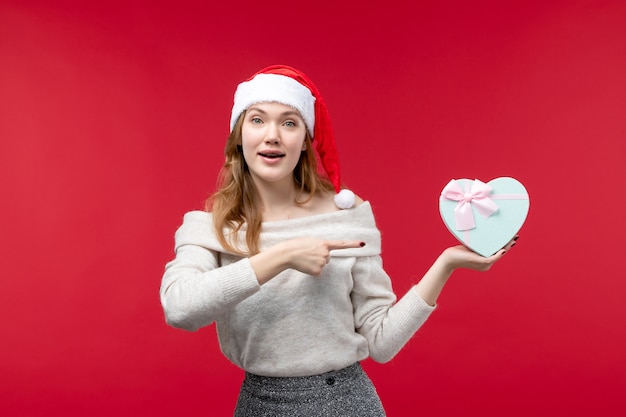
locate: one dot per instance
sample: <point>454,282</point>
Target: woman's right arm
<point>307,255</point>
<point>195,290</point>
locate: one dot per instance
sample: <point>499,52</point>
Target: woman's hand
<point>430,286</point>
<point>307,255</point>
<point>461,257</point>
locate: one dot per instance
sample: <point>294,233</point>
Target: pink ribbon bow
<point>478,197</point>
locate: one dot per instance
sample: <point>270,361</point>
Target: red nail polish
<point>362,244</point>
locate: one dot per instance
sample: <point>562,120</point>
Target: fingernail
<point>516,237</point>
<point>512,244</point>
<point>362,244</point>
<point>503,252</point>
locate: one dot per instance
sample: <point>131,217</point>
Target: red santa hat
<point>286,85</point>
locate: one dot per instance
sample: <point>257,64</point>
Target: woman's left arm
<point>388,325</point>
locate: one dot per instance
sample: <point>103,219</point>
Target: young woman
<point>289,271</point>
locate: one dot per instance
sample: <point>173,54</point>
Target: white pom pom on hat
<point>286,85</point>
<point>345,199</point>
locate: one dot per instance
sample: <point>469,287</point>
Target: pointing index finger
<point>344,244</point>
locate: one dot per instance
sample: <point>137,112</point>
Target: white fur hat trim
<point>265,88</point>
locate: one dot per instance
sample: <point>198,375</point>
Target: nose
<point>272,133</point>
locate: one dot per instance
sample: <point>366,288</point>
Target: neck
<point>277,199</point>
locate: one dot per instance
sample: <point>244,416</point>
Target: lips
<point>271,154</point>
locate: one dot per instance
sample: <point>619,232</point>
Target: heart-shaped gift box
<point>484,217</point>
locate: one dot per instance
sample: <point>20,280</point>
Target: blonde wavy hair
<point>235,203</point>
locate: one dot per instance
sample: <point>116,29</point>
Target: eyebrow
<point>286,113</point>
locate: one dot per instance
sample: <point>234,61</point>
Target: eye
<point>290,123</point>
<point>256,120</point>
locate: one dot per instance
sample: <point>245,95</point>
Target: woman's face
<point>272,137</point>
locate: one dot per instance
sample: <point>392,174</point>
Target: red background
<point>113,119</point>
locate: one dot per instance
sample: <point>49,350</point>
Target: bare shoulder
<point>325,203</point>
<point>321,204</point>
